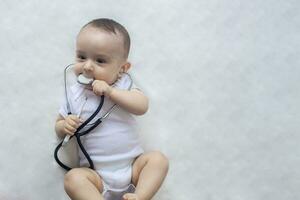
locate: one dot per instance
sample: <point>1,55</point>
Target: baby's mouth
<point>84,80</point>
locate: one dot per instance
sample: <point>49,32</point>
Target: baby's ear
<point>125,67</point>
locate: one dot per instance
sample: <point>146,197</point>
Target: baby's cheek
<point>112,79</point>
<point>77,70</point>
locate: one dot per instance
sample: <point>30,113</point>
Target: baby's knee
<point>160,159</point>
<point>74,179</point>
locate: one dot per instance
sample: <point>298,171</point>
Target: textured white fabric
<point>222,78</point>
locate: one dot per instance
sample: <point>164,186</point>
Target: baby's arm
<point>134,101</point>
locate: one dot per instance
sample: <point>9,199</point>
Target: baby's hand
<point>101,88</point>
<point>71,123</point>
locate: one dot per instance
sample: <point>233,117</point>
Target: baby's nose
<point>88,66</point>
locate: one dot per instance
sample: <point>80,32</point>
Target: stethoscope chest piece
<point>84,80</point>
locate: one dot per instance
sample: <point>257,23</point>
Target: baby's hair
<point>112,26</point>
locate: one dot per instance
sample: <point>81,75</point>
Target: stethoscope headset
<point>79,132</point>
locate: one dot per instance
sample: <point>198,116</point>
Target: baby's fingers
<point>74,118</point>
<point>71,124</point>
<point>69,130</point>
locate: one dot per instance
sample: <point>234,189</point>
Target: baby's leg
<point>83,184</point>
<point>148,173</point>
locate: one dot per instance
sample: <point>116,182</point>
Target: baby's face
<point>99,55</point>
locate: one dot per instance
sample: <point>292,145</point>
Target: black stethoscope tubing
<point>77,133</point>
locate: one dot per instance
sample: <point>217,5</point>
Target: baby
<point>102,49</point>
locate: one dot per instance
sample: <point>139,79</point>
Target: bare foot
<point>130,196</point>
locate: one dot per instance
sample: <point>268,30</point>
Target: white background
<point>222,77</point>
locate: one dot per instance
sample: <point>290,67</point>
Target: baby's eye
<point>81,57</point>
<point>99,60</point>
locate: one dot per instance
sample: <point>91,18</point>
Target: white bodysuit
<point>112,145</point>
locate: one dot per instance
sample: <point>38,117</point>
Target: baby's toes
<point>130,196</point>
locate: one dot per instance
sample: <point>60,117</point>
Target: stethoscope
<point>81,79</point>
